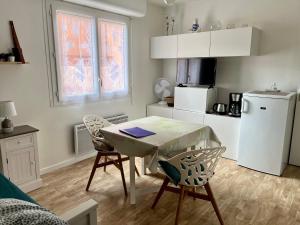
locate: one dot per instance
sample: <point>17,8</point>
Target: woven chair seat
<point>103,146</point>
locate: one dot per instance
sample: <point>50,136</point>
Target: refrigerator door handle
<point>245,105</point>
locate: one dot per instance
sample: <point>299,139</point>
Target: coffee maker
<point>235,104</point>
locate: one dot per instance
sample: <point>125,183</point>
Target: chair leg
<point>105,160</point>
<point>194,191</point>
<point>137,172</point>
<point>213,202</point>
<point>161,191</point>
<point>93,171</point>
<point>122,174</point>
<point>179,204</point>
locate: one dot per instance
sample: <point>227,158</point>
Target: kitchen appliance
<point>220,108</point>
<point>235,103</point>
<point>196,72</point>
<point>295,146</point>
<point>266,129</point>
<point>162,89</point>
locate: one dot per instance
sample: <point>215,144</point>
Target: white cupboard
<point>164,47</point>
<point>21,165</point>
<point>19,159</point>
<point>227,130</point>
<point>234,42</point>
<point>188,116</point>
<point>195,99</point>
<point>193,45</point>
<point>160,110</point>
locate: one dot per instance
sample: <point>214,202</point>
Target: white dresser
<point>19,157</point>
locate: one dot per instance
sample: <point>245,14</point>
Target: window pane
<point>113,56</point>
<point>76,57</point>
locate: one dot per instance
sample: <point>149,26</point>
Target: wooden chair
<point>190,170</point>
<point>94,123</point>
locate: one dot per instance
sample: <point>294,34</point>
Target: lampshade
<point>7,109</point>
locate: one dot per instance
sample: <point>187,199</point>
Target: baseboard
<point>30,186</point>
<point>67,162</point>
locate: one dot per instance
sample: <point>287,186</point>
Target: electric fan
<point>162,89</point>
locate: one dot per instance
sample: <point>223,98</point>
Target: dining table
<point>170,137</point>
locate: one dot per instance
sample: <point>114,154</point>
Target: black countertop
<point>19,130</point>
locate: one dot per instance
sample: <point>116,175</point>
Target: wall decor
<point>17,50</point>
<point>170,23</point>
<point>195,26</point>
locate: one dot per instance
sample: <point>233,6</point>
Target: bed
<point>84,214</point>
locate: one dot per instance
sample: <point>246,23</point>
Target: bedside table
<point>19,159</point>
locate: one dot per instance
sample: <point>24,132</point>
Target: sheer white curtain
<point>113,55</point>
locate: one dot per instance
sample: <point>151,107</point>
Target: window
<point>113,57</point>
<point>91,50</point>
<point>76,57</point>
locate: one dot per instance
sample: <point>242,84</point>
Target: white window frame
<point>50,8</point>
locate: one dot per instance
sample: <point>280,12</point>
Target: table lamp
<point>7,109</point>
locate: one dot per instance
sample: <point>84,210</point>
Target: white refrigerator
<point>266,129</point>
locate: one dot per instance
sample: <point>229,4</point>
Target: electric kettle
<point>220,108</point>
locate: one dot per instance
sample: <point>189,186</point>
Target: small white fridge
<point>266,130</point>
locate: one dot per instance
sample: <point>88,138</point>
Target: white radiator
<point>82,140</point>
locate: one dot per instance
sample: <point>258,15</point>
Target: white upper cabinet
<point>193,45</point>
<point>234,42</point>
<point>164,47</point>
<point>221,43</point>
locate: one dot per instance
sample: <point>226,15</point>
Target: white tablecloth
<point>171,137</point>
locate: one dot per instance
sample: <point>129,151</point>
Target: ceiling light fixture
<point>169,2</point>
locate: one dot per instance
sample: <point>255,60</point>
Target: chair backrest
<point>94,123</point>
<point>197,167</point>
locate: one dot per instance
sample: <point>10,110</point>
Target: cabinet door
<point>193,45</point>
<point>163,111</point>
<point>191,99</point>
<point>187,116</point>
<point>234,42</point>
<point>21,165</point>
<point>164,47</point>
<point>227,130</point>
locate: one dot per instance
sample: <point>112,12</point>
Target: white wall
<point>27,85</point>
<point>280,43</point>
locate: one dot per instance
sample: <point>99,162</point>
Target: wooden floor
<point>244,197</point>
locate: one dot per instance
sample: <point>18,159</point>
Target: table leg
<point>132,180</point>
<point>143,166</point>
